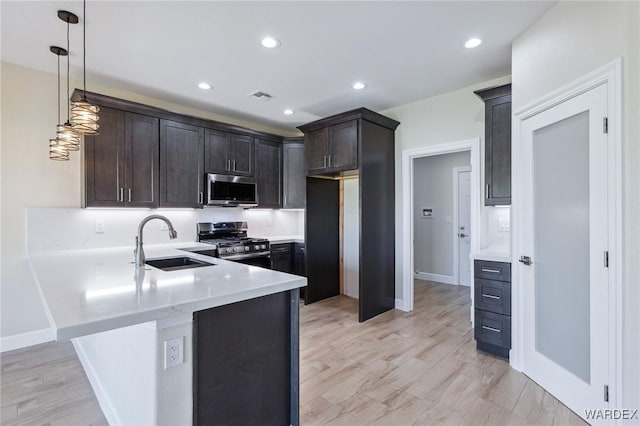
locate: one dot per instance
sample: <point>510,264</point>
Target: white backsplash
<point>69,229</point>
<point>497,228</point>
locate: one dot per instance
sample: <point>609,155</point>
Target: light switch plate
<point>99,226</point>
<point>504,225</point>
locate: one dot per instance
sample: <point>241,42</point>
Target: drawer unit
<point>493,332</point>
<point>492,304</point>
<point>498,271</point>
<point>493,296</point>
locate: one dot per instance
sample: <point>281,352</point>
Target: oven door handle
<point>245,256</point>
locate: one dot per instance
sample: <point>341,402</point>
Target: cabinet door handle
<point>325,162</point>
<point>284,200</point>
<point>234,165</point>
<point>201,198</point>
<point>495,330</point>
<point>491,296</point>
<point>228,165</point>
<point>492,271</point>
<point>329,160</point>
<point>121,195</point>
<point>129,194</point>
<point>486,191</point>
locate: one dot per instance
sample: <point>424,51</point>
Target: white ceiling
<point>403,51</point>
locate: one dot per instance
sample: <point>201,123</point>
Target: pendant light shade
<point>57,152</point>
<point>68,137</point>
<point>84,115</point>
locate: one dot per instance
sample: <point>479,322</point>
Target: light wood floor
<point>396,369</point>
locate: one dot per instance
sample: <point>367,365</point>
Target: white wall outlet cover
<point>448,219</point>
<point>173,352</point>
<point>99,226</point>
<point>163,226</point>
<point>504,225</point>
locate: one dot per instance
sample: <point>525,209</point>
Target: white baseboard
<point>445,279</point>
<point>103,399</point>
<point>19,341</point>
<point>400,305</point>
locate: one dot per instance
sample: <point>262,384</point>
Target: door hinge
<point>606,259</point>
<point>606,393</point>
<point>605,124</point>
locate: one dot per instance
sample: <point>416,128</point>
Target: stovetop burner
<point>231,240</point>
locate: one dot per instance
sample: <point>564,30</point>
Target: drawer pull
<point>493,271</point>
<point>491,296</point>
<point>495,330</point>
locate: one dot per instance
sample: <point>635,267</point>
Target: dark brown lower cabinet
<point>492,305</point>
<point>245,364</point>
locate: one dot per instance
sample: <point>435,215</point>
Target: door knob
<point>525,259</point>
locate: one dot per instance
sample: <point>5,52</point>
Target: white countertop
<point>90,291</point>
<point>281,239</point>
<point>493,254</point>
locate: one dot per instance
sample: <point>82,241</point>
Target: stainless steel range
<point>231,243</point>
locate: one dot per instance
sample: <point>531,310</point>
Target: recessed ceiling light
<point>204,85</point>
<point>270,42</point>
<point>473,42</point>
<point>287,111</point>
<point>358,85</point>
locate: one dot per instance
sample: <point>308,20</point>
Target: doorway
<point>411,208</point>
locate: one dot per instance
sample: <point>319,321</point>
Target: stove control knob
<point>263,246</point>
<point>229,250</point>
<point>247,248</point>
<point>238,249</point>
<point>257,247</point>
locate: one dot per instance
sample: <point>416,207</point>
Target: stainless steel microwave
<point>231,191</point>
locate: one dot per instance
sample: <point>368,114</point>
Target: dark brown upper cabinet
<point>228,153</point>
<point>497,145</point>
<point>294,179</point>
<point>269,173</point>
<point>332,149</point>
<point>181,165</point>
<point>121,163</point>
<point>358,142</point>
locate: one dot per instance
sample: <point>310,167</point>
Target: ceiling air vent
<point>259,95</point>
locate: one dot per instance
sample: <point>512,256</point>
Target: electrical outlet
<point>99,226</point>
<point>173,352</point>
<point>504,225</point>
<point>163,226</point>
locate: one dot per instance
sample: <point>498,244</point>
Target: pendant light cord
<point>68,76</point>
<point>84,47</point>
<point>59,88</point>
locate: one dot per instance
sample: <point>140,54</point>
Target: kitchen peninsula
<point>231,330</point>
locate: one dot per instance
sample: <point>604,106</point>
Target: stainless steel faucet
<point>138,253</point>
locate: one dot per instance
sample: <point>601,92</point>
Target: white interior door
<point>464,225</point>
<point>565,230</point>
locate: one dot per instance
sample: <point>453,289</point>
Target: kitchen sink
<point>199,250</point>
<point>177,263</point>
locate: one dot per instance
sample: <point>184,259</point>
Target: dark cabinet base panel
<point>246,362</point>
<point>492,349</point>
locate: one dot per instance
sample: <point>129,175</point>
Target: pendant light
<point>66,136</point>
<point>84,115</point>
<point>58,151</point>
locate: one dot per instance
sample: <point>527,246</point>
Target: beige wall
<point>450,117</point>
<point>569,41</point>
